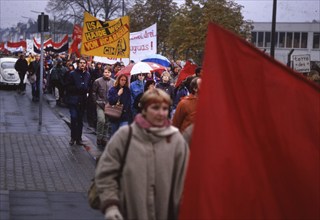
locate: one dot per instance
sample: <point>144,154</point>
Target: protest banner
<point>105,38</point>
<point>143,43</point>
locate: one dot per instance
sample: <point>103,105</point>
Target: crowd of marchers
<point>141,172</point>
<point>86,86</point>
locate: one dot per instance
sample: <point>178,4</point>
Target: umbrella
<point>157,58</point>
<point>141,67</point>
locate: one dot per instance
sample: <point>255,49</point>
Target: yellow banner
<point>106,38</point>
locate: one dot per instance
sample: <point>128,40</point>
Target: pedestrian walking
<point>186,109</point>
<point>57,75</point>
<point>100,89</point>
<point>120,92</point>
<point>34,73</point>
<point>136,88</point>
<point>21,66</point>
<point>151,182</point>
<point>77,86</point>
<point>95,73</point>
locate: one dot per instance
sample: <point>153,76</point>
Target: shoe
<point>79,142</point>
<point>71,142</point>
<point>23,92</point>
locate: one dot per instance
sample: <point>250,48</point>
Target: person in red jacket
<point>186,109</point>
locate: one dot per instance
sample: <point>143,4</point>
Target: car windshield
<point>7,65</point>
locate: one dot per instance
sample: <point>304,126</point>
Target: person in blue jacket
<point>120,92</point>
<point>77,88</point>
<point>136,88</point>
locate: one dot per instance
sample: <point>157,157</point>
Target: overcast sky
<point>11,11</point>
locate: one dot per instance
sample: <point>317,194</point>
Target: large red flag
<point>255,146</point>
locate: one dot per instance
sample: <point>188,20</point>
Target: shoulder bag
<point>113,111</point>
<point>93,196</point>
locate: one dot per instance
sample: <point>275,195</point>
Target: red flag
<point>255,146</point>
<point>76,37</point>
<point>188,70</point>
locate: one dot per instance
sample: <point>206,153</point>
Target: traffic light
<point>43,23</point>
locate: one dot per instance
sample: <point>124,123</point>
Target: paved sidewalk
<point>41,176</point>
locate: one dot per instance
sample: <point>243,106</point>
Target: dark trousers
<point>35,89</point>
<point>22,85</point>
<point>57,84</point>
<point>76,115</point>
<point>91,112</point>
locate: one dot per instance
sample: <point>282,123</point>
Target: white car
<point>8,75</point>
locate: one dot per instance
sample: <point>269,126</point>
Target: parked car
<point>8,75</point>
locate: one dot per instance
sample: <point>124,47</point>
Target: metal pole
<point>122,8</point>
<point>41,69</point>
<point>273,28</point>
<point>289,58</point>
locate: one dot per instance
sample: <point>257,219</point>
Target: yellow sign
<point>105,38</point>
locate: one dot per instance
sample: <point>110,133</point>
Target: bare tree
<point>72,10</point>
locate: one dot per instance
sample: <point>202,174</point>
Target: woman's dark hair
<point>194,85</point>
<point>148,83</point>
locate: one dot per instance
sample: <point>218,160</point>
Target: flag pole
<point>273,27</point>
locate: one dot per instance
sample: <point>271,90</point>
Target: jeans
<point>103,125</point>
<point>116,125</point>
<point>76,115</point>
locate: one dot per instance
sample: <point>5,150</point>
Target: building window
<point>304,40</point>
<point>289,40</point>
<point>267,40</point>
<point>316,40</point>
<point>260,39</point>
<point>282,39</point>
<point>296,40</point>
<point>254,38</point>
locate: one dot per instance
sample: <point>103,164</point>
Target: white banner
<point>29,48</point>
<point>143,43</point>
<point>111,61</point>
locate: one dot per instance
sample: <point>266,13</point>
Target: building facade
<point>298,38</point>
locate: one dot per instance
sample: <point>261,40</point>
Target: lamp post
<point>43,23</point>
<point>273,27</point>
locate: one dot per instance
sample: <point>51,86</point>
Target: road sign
<point>301,63</point>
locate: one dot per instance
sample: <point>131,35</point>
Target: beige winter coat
<point>153,174</point>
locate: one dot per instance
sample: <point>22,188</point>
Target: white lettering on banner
<point>301,63</point>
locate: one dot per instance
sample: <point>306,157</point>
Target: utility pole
<point>43,25</point>
<point>122,8</point>
<point>273,28</point>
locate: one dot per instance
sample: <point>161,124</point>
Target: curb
<point>90,148</point>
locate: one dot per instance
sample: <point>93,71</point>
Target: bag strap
<point>126,150</point>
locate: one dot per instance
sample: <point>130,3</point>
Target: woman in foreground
<point>152,178</point>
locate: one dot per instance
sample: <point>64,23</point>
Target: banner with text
<point>105,38</point>
<point>143,43</point>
